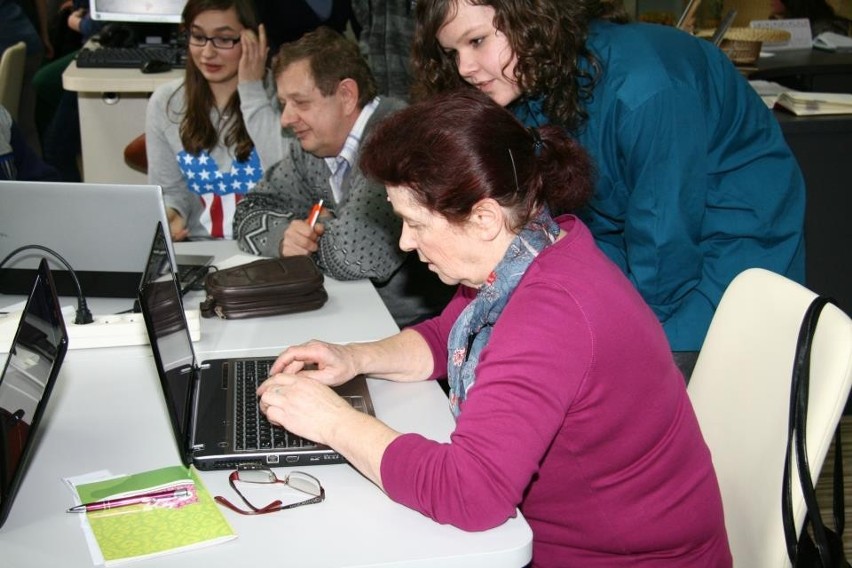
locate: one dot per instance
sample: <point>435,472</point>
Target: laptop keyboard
<point>191,276</point>
<point>252,431</point>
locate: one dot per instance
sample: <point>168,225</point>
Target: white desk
<point>107,401</point>
<point>112,113</point>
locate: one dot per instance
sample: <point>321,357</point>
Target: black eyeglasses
<point>259,474</point>
<point>199,40</point>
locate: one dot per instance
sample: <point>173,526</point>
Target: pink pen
<point>132,500</point>
<point>315,213</point>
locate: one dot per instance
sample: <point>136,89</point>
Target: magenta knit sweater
<point>580,418</point>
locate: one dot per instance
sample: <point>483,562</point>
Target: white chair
<point>12,77</point>
<point>740,390</point>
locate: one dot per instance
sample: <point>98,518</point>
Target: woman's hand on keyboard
<point>328,363</point>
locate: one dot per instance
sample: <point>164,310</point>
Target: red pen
<point>315,213</point>
<point>133,500</point>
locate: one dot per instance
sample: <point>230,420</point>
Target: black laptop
<point>212,404</point>
<point>35,357</point>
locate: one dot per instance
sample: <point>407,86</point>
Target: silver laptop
<point>35,356</point>
<point>212,404</point>
<point>103,231</point>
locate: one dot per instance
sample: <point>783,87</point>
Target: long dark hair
<point>548,37</point>
<point>197,133</point>
<point>459,147</point>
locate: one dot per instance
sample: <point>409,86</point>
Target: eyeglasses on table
<point>261,475</point>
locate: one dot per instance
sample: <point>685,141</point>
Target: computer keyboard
<point>129,57</point>
<point>252,431</point>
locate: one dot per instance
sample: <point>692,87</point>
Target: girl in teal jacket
<point>695,182</point>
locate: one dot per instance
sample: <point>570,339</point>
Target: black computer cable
<point>84,315</point>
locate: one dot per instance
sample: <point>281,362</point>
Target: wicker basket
<point>741,52</point>
<point>742,45</point>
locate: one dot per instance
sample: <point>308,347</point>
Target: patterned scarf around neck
<point>471,331</point>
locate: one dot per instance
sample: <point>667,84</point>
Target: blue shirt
<point>695,182</point>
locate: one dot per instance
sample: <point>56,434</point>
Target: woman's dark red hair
<point>459,147</point>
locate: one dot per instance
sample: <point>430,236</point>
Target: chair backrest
<point>135,154</point>
<point>740,390</point>
<point>12,77</point>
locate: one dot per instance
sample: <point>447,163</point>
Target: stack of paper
<point>806,104</point>
<point>767,90</point>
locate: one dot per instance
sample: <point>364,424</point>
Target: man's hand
<point>300,239</point>
<point>75,18</point>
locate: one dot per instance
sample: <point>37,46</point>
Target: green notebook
<point>141,531</point>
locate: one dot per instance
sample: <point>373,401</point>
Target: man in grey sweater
<point>329,101</point>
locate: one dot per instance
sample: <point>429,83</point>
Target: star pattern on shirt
<point>204,177</point>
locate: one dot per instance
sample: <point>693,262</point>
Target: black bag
<point>264,288</point>
<point>820,547</point>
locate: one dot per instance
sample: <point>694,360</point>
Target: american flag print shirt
<point>219,191</point>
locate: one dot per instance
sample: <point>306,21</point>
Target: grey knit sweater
<point>387,30</point>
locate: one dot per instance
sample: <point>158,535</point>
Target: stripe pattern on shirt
<point>219,191</point>
<point>341,164</point>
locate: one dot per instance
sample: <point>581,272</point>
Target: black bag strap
<point>838,502</point>
<point>796,439</point>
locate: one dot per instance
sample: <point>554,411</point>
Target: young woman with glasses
<point>211,135</point>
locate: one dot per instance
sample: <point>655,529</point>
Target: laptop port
<point>292,459</point>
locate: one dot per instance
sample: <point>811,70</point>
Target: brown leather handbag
<point>265,287</point>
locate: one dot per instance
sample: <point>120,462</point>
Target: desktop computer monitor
<point>138,11</point>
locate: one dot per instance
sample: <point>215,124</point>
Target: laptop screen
<point>168,332</point>
<point>35,357</point>
<point>105,266</point>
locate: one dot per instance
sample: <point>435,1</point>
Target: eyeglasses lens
<point>256,476</point>
<point>199,40</point>
<point>304,483</point>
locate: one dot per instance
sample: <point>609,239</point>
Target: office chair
<point>135,154</point>
<point>740,390</point>
<point>12,77</point>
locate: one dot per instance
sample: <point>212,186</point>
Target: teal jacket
<point>695,182</point>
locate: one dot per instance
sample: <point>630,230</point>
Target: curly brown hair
<point>197,133</point>
<point>548,38</point>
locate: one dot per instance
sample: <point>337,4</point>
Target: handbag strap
<point>796,439</point>
<point>838,501</point>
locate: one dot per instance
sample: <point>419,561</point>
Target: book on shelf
<point>768,91</point>
<point>830,41</point>
<point>191,519</point>
<point>808,104</point>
